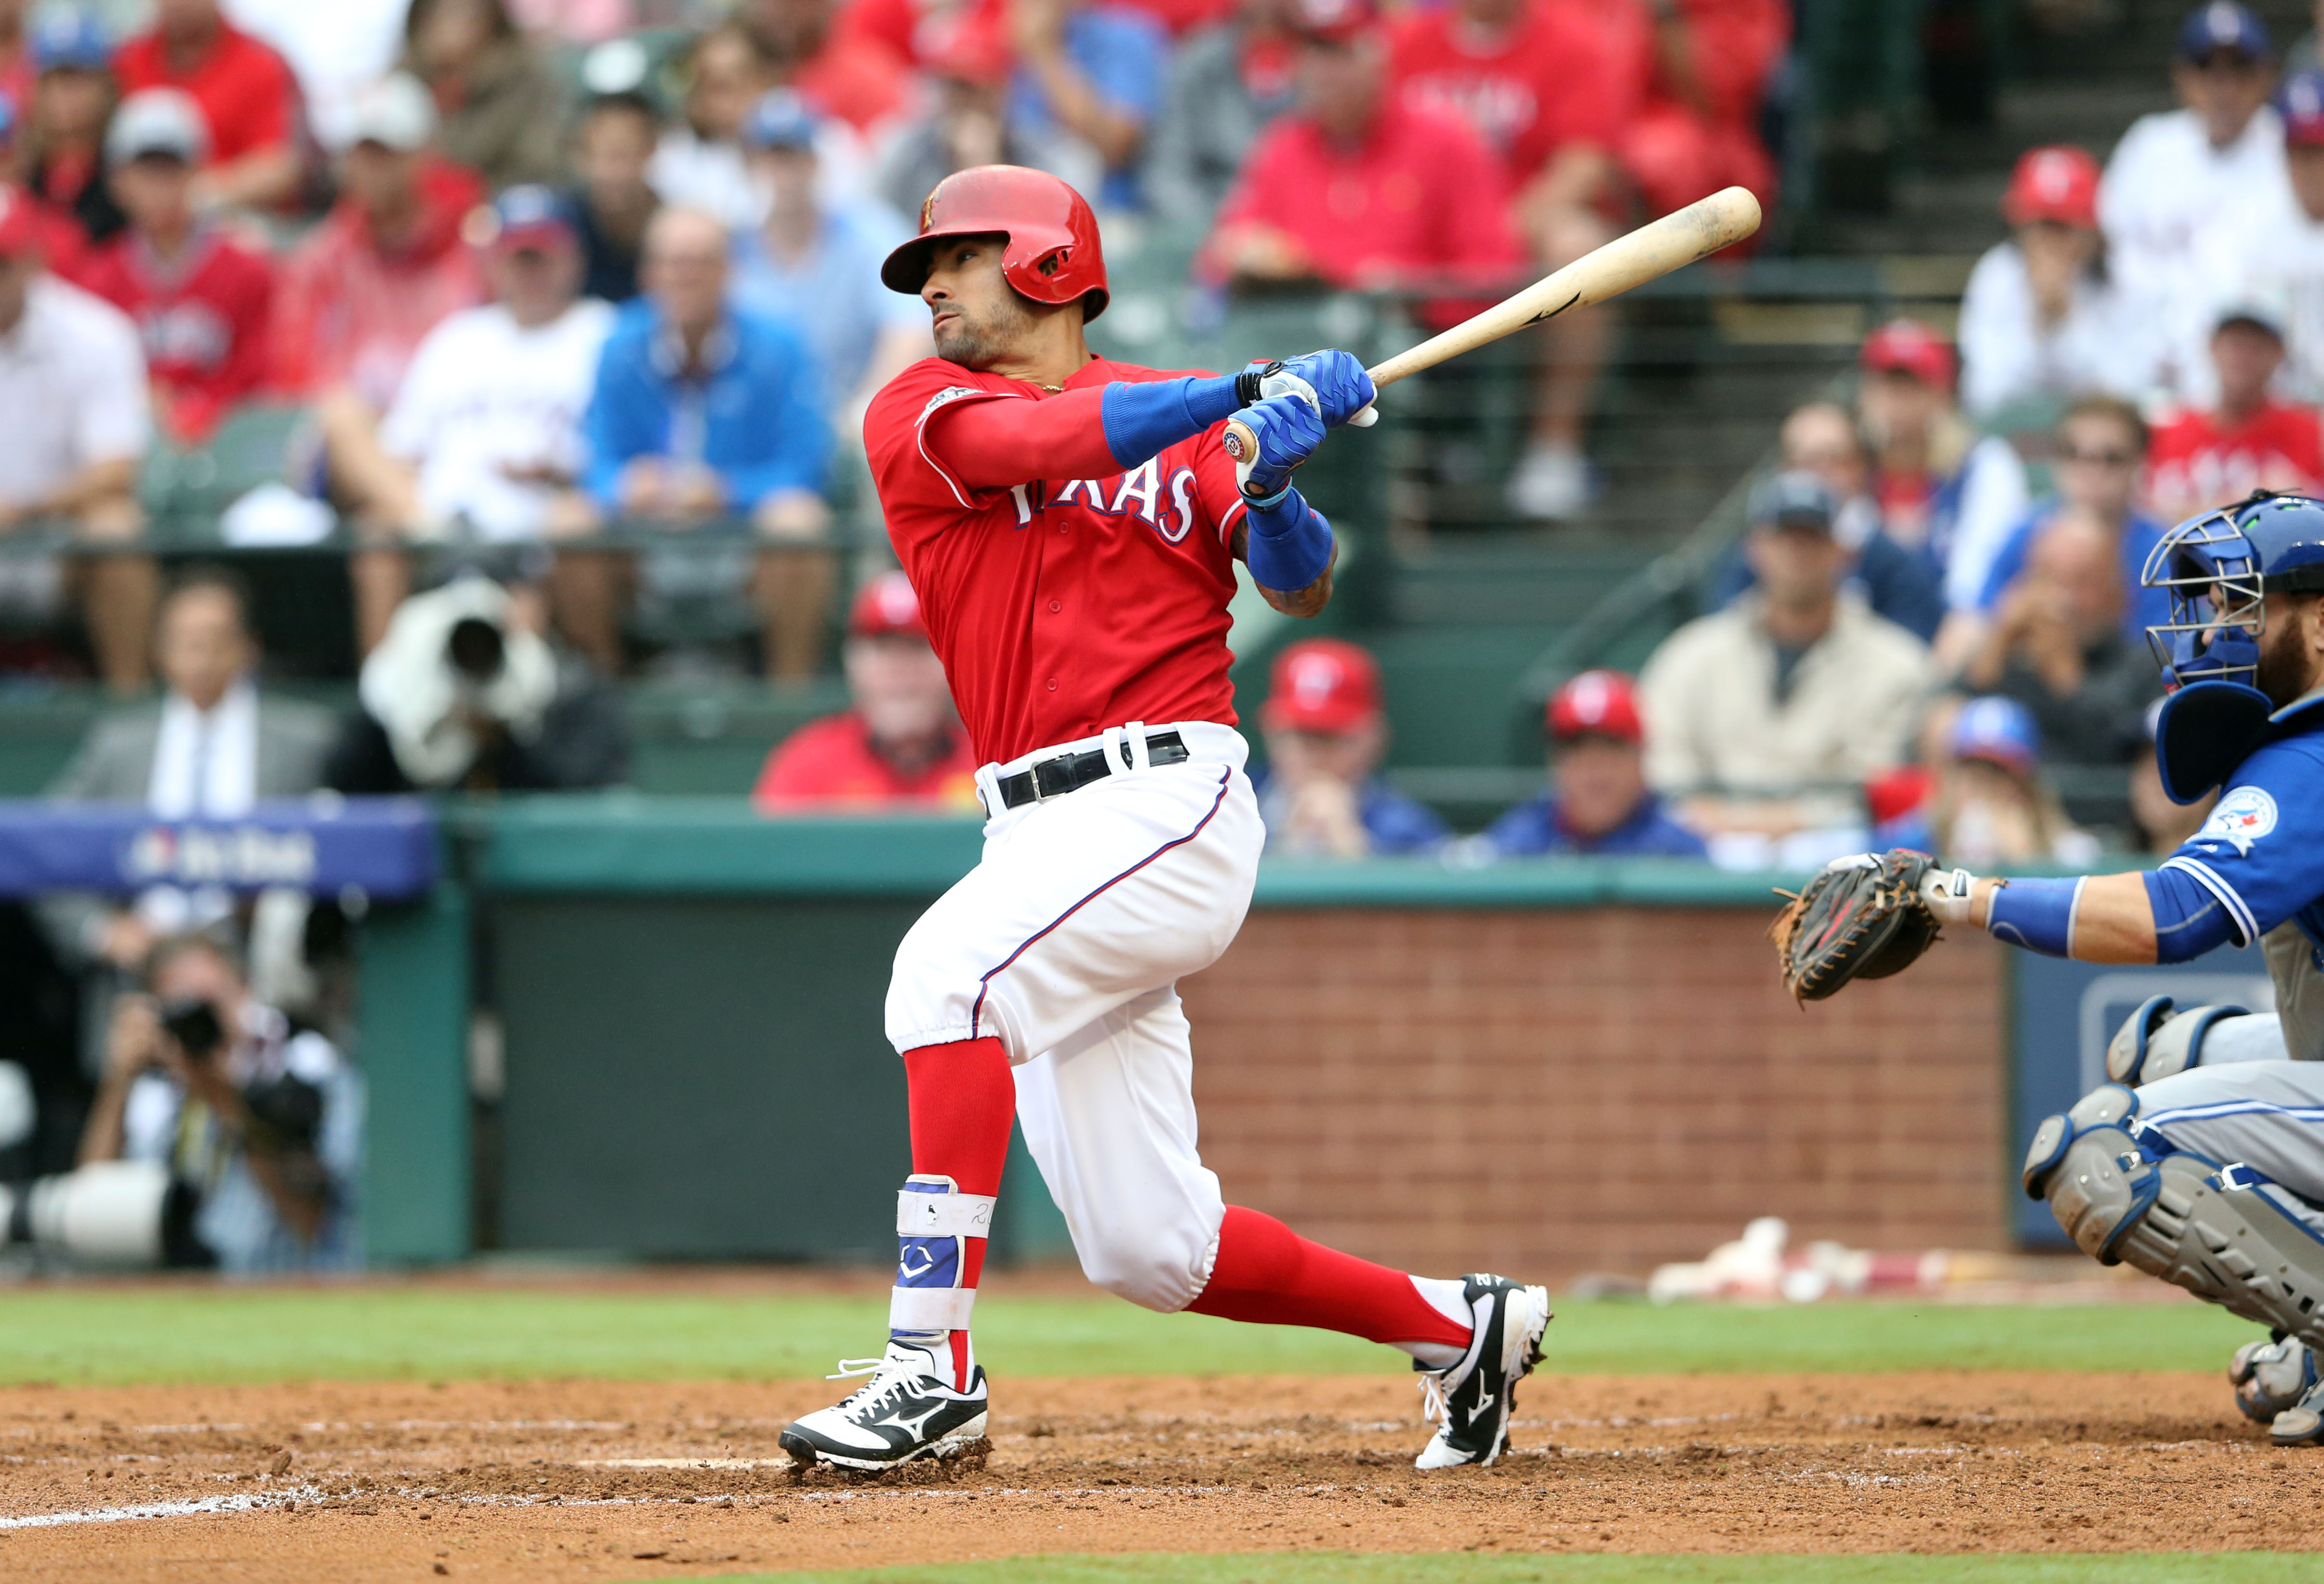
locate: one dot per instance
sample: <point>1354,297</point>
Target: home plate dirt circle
<point>591,1480</point>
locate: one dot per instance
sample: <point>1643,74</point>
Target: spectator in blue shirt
<point>2101,451</point>
<point>816,264</point>
<point>1321,794</point>
<point>704,414</point>
<point>1598,802</point>
<point>1821,438</point>
<point>1089,83</point>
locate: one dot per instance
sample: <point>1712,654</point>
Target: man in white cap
<point>363,289</point>
<point>201,300</point>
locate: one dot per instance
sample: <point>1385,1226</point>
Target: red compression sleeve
<point>963,1097</point>
<point>992,445</point>
<point>1268,1274</point>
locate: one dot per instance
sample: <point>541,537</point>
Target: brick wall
<point>1553,1091</point>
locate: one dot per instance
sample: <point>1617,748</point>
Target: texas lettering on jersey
<point>1060,606</point>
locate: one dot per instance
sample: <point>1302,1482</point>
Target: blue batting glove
<point>1287,430</point>
<point>1339,381</point>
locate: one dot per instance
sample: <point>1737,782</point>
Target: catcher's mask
<point>2218,566</point>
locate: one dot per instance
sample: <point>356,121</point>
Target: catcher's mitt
<point>1863,917</point>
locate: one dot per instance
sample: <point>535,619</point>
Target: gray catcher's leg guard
<point>2125,1194</point>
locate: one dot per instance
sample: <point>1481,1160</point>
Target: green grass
<point>1460,1567</point>
<point>385,1331</point>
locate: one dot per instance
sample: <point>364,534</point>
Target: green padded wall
<point>700,1078</point>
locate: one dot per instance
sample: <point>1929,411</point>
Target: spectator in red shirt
<point>1703,67</point>
<point>1542,84</point>
<point>201,301</point>
<point>1356,188</point>
<point>245,90</point>
<point>354,302</point>
<point>64,139</point>
<point>841,73</point>
<point>2201,460</point>
<point>920,33</point>
<point>898,743</point>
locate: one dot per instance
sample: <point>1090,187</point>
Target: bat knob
<point>1364,417</point>
<point>1239,442</point>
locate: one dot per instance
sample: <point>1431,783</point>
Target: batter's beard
<point>980,343</point>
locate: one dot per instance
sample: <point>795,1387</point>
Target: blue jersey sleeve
<point>2262,852</point>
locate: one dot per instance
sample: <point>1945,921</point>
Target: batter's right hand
<point>1287,430</point>
<point>1340,383</point>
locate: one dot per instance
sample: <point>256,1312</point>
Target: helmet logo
<point>927,210</point>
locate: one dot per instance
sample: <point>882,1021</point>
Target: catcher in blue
<point>2202,1161</point>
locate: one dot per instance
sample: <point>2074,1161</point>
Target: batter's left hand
<point>1286,429</point>
<point>1342,386</point>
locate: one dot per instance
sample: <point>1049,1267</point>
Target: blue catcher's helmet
<point>2219,567</point>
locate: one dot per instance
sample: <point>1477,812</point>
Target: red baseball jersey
<point>246,92</point>
<point>1060,607</point>
<point>830,763</point>
<point>204,324</point>
<point>1421,197</point>
<point>1552,80</point>
<point>2195,464</point>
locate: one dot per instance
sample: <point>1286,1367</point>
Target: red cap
<point>1596,704</point>
<point>21,230</point>
<point>2059,183</point>
<point>886,606</point>
<point>1321,685</point>
<point>973,53</point>
<point>1333,22</point>
<point>1909,346</point>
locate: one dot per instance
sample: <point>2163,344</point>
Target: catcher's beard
<point>977,338</point>
<point>2287,670</point>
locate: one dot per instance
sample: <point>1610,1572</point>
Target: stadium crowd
<point>546,287</point>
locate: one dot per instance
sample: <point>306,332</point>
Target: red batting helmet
<point>1052,253</point>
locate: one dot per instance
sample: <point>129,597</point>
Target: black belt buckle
<point>1070,772</point>
<point>1054,778</point>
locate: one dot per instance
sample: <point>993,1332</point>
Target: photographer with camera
<point>257,1126</point>
<point>463,695</point>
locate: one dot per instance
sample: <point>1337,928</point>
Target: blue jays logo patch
<point>2243,816</point>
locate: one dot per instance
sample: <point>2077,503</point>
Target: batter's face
<point>977,317</point>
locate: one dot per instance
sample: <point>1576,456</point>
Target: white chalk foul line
<point>241,1502</point>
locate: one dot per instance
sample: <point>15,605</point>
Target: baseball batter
<point>1069,524</point>
<point>2203,1162</point>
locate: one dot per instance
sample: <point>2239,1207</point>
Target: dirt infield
<point>586,1480</point>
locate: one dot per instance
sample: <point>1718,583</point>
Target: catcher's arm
<point>2103,918</point>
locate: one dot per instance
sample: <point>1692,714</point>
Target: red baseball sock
<point>964,1098</point>
<point>1269,1274</point>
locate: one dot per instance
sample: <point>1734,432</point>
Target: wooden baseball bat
<point>1655,249</point>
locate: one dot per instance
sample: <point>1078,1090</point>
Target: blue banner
<point>2064,1014</point>
<point>383,846</point>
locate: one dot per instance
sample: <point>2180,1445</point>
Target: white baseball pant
<point>1067,943</point>
<point>2266,1115</point>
